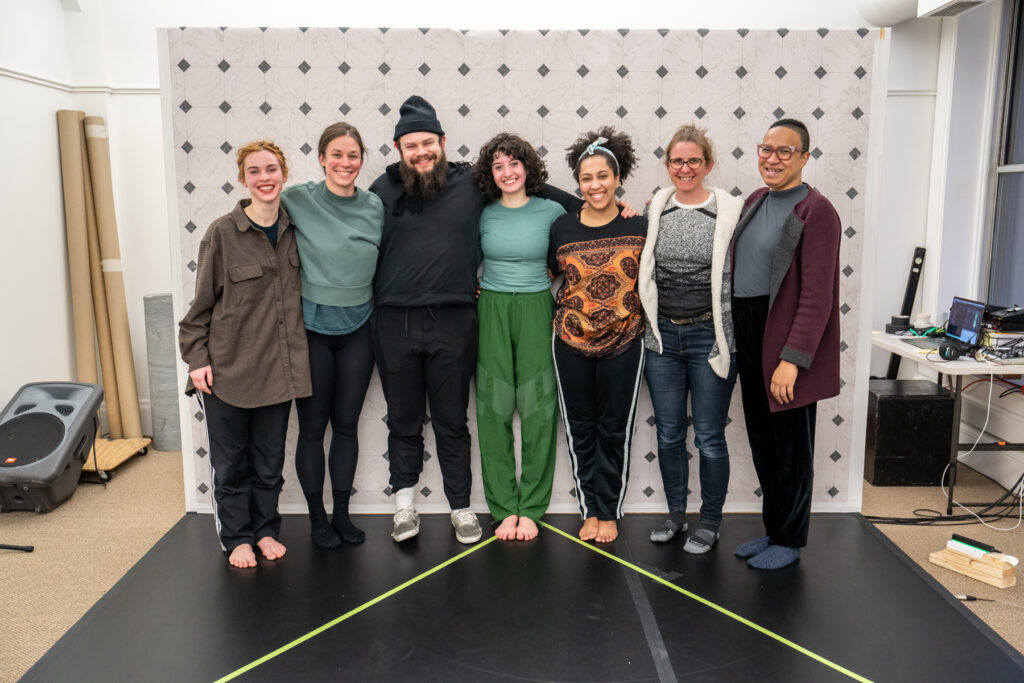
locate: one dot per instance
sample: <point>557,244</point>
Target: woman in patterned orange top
<point>598,328</point>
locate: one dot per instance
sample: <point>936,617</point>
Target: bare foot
<point>607,531</point>
<point>526,529</point>
<point>242,556</point>
<point>506,531</point>
<point>589,530</point>
<point>271,549</point>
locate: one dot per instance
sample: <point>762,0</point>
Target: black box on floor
<point>909,428</point>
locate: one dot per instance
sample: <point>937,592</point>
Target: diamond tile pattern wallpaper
<point>229,86</point>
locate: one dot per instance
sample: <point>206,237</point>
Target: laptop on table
<point>964,325</point>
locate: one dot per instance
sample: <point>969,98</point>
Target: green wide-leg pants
<point>515,372</point>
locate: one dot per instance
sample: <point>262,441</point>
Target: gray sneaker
<point>467,526</point>
<point>407,524</point>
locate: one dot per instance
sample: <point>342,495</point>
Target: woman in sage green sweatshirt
<point>338,230</point>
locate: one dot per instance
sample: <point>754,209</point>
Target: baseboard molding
<point>435,508</point>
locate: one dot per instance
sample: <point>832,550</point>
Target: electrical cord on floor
<point>1015,487</point>
<point>999,509</point>
<point>101,477</point>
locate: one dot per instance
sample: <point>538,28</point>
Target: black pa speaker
<point>908,432</point>
<point>46,432</point>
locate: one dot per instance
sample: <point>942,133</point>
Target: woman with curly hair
<point>514,370</point>
<point>598,328</point>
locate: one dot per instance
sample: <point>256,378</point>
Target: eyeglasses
<point>694,163</point>
<point>784,152</point>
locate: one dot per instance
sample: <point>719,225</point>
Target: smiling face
<point>689,182</point>
<point>342,159</point>
<point>263,176</point>
<point>509,175</point>
<point>778,174</point>
<point>420,151</point>
<point>598,182</point>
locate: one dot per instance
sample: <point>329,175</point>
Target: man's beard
<point>426,186</point>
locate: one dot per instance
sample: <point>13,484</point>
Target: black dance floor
<point>552,609</point>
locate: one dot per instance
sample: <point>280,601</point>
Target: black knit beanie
<point>416,116</point>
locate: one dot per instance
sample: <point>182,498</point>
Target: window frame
<point>1012,88</point>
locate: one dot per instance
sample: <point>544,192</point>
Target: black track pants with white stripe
<point>598,400</point>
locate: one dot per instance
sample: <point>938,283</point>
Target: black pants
<point>782,443</point>
<point>247,458</point>
<point>341,366</point>
<point>598,400</point>
<point>427,352</point>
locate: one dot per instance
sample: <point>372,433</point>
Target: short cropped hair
<point>797,127</point>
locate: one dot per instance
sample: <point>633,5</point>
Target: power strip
<point>1007,356</point>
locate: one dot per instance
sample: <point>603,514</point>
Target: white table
<point>956,369</point>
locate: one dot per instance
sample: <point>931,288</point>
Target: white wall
<point>34,293</point>
<point>940,137</point>
<point>966,222</point>
<point>903,198</point>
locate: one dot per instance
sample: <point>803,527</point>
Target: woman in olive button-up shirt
<point>245,345</point>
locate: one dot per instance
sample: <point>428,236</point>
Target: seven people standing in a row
<point>299,292</point>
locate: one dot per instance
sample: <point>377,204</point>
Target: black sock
<point>323,534</point>
<point>678,518</point>
<point>348,531</point>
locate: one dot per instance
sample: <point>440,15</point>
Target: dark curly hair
<point>516,148</point>
<point>618,144</point>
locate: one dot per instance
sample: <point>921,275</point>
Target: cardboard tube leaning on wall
<point>112,397</point>
<point>110,252</point>
<point>69,132</point>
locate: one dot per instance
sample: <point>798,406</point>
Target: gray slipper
<point>702,541</point>
<point>667,531</point>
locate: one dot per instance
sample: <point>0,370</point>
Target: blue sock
<point>751,548</point>
<point>775,557</point>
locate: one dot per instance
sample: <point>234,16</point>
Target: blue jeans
<point>682,367</point>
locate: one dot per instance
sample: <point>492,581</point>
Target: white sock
<point>404,497</point>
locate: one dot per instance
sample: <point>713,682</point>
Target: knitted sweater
<point>729,208</point>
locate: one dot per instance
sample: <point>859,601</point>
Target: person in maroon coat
<point>785,255</point>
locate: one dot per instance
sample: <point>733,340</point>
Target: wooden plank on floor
<point>112,452</point>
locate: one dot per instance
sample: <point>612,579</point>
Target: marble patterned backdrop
<point>229,86</point>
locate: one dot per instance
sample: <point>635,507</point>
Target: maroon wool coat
<point>803,304</point>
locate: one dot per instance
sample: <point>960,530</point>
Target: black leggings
<point>341,366</point>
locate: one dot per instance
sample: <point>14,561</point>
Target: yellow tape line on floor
<point>653,577</point>
<point>717,608</point>
<point>366,605</point>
